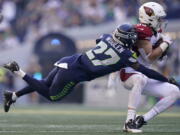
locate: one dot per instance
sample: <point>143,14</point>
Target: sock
<point>151,114</point>
<point>14,96</point>
<point>131,114</point>
<point>20,73</point>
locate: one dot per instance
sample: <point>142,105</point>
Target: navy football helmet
<point>126,35</point>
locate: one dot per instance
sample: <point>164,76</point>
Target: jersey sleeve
<point>104,36</point>
<point>144,32</point>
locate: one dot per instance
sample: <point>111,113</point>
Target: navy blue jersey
<point>108,56</point>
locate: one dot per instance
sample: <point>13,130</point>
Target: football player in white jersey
<point>149,31</point>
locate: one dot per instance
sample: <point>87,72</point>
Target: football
<point>157,44</point>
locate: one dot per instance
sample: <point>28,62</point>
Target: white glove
<point>166,38</point>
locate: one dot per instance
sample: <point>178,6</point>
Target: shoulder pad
<point>104,36</point>
<point>144,32</point>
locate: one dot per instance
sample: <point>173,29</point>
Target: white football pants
<point>140,84</point>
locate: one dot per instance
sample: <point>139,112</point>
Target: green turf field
<point>78,120</point>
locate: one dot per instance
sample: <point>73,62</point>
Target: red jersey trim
<point>144,32</point>
<point>124,76</point>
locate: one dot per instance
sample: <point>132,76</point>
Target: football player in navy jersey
<point>111,53</point>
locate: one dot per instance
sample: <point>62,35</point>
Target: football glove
<point>173,81</point>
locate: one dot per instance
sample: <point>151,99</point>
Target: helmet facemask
<point>162,23</point>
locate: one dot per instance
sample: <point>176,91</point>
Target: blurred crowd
<point>56,14</point>
<point>20,15</point>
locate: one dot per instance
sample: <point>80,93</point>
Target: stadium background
<point>36,33</point>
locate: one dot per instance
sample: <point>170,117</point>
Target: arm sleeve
<point>102,37</point>
<point>152,74</point>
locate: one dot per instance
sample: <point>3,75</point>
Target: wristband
<point>164,46</point>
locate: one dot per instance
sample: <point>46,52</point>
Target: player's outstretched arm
<point>149,72</point>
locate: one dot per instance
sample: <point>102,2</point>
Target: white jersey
<point>153,39</point>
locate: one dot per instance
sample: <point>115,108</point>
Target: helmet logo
<point>149,11</point>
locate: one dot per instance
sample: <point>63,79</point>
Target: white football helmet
<point>152,13</point>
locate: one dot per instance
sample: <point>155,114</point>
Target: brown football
<point>158,43</point>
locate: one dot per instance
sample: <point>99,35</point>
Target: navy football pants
<point>55,86</point>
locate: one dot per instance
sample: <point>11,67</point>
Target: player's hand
<point>166,38</point>
<point>111,83</point>
<point>173,81</point>
<point>112,80</point>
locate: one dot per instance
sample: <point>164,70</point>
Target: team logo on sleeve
<point>149,11</point>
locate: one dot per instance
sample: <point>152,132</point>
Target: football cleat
<point>8,101</point>
<point>12,66</point>
<point>131,127</point>
<point>139,121</point>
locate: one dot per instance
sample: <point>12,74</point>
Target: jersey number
<point>103,49</point>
